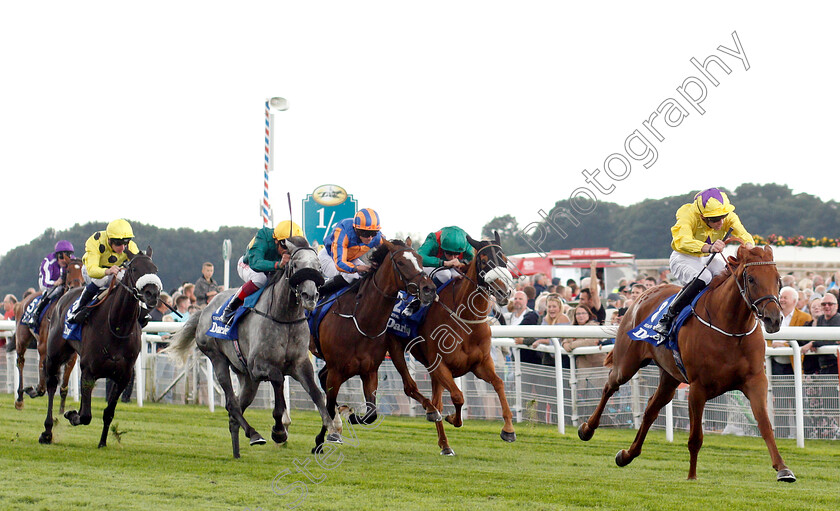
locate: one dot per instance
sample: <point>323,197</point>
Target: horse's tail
<point>608,362</point>
<point>182,343</point>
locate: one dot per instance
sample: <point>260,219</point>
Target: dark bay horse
<point>455,337</point>
<point>24,335</point>
<point>110,340</point>
<point>352,335</point>
<point>273,343</point>
<point>722,349</point>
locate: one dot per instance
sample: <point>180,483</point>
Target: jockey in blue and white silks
<point>696,237</point>
<point>344,246</point>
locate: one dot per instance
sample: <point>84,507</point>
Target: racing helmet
<point>119,229</point>
<point>712,203</point>
<point>64,246</point>
<point>287,229</point>
<point>367,219</point>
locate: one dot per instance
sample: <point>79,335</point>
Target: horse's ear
<point>498,239</point>
<point>475,244</point>
<point>149,251</point>
<point>408,241</point>
<point>129,254</point>
<point>768,251</point>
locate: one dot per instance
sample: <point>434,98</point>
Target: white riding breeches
<point>246,273</point>
<point>685,267</point>
<point>330,270</point>
<point>443,275</point>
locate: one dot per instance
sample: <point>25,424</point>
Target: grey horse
<point>273,342</point>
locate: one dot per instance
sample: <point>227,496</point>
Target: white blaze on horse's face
<point>413,259</point>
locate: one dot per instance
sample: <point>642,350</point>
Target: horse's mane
<point>379,253</point>
<point>721,277</point>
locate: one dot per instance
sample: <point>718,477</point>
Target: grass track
<point>179,457</point>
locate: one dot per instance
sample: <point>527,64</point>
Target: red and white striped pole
<point>271,105</point>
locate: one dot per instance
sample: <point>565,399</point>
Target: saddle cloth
<point>314,317</point>
<point>645,332</point>
<point>73,332</point>
<point>28,319</point>
<point>407,326</point>
<point>219,329</point>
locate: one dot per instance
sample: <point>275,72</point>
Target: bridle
<point>410,286</point>
<point>752,304</point>
<point>134,290</point>
<point>295,278</point>
<point>490,276</point>
<point>744,290</point>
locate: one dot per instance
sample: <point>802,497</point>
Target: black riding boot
<point>230,310</point>
<point>333,285</point>
<point>412,307</point>
<point>82,310</point>
<point>681,301</point>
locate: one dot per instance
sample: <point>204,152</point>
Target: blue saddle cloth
<point>27,319</point>
<point>219,329</point>
<point>73,331</point>
<point>314,317</point>
<point>407,326</point>
<point>645,332</point>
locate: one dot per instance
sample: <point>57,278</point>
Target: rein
<point>293,289</point>
<point>753,305</point>
<point>407,283</point>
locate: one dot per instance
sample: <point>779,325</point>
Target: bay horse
<point>73,277</point>
<point>454,339</point>
<point>351,337</point>
<point>273,342</point>
<point>721,346</point>
<point>110,340</point>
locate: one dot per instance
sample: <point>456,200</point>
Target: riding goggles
<point>120,241</point>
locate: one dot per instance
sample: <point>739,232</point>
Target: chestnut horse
<point>73,277</point>
<point>721,346</point>
<point>454,339</point>
<point>110,340</point>
<point>352,334</point>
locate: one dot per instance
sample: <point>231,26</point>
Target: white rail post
<point>797,392</point>
<point>139,375</point>
<point>669,421</point>
<point>573,387</point>
<point>558,377</point>
<point>211,387</point>
<point>517,378</point>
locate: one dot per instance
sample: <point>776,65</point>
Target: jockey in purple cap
<point>51,275</point>
<point>697,237</point>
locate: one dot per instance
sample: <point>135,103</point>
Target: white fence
<point>801,407</point>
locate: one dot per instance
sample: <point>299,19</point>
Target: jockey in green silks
<point>445,252</point>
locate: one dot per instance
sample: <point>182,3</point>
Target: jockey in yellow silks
<point>105,253</point>
<point>697,237</point>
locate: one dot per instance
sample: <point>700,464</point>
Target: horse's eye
<point>750,279</point>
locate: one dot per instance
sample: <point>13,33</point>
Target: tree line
<point>644,229</point>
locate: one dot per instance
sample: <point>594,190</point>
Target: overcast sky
<point>433,113</point>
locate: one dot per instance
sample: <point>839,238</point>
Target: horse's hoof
<point>508,437</point>
<point>102,444</point>
<point>45,438</point>
<point>447,452</point>
<point>785,475</point>
<point>585,432</point>
<point>622,459</point>
<point>451,419</point>
<point>73,417</point>
<point>279,437</point>
<point>334,438</point>
<point>18,405</point>
<point>434,416</point>
<point>318,449</point>
<point>257,440</point>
